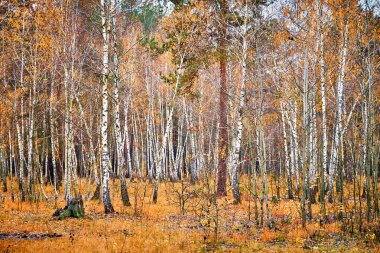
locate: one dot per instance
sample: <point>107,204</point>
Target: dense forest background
<point>261,101</point>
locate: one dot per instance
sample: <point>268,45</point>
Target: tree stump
<point>73,209</point>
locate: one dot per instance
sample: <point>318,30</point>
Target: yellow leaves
<point>204,222</point>
<point>372,236</point>
<point>299,240</point>
<point>270,118</point>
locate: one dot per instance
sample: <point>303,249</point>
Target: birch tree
<point>338,127</point>
<point>237,138</point>
<point>105,160</point>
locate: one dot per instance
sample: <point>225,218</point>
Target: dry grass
<point>145,227</point>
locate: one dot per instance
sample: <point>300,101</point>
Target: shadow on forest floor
<point>28,236</point>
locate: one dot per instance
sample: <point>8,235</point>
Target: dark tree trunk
<point>223,131</point>
<point>96,195</point>
<point>124,191</point>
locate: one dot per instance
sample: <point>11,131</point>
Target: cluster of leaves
<point>148,16</point>
<point>186,39</point>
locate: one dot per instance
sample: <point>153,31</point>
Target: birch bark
<point>105,160</point>
<point>338,127</point>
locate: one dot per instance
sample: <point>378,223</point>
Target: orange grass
<point>145,227</point>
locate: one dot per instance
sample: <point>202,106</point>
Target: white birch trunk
<point>324,111</point>
<point>292,122</point>
<point>20,125</point>
<point>31,130</point>
<point>11,163</point>
<point>338,127</point>
<point>52,139</point>
<point>126,137</point>
<point>286,152</point>
<point>117,125</point>
<point>105,160</point>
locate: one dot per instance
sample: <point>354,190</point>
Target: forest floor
<point>148,227</point>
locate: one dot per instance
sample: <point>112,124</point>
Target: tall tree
<point>223,98</point>
<point>105,160</point>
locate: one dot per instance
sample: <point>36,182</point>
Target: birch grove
<point>248,99</point>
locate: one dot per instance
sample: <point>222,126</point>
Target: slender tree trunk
<point>292,122</point>
<point>105,160</point>
<point>21,164</point>
<point>30,139</point>
<point>52,138</point>
<point>323,175</point>
<point>236,142</point>
<point>305,167</point>
<point>135,147</point>
<point>11,163</point>
<point>3,161</point>
<point>338,128</point>
<point>262,154</point>
<point>20,125</point>
<point>67,137</point>
<point>287,165</point>
<point>254,185</point>
<point>261,149</point>
<point>117,124</point>
<point>192,151</point>
<point>223,98</point>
